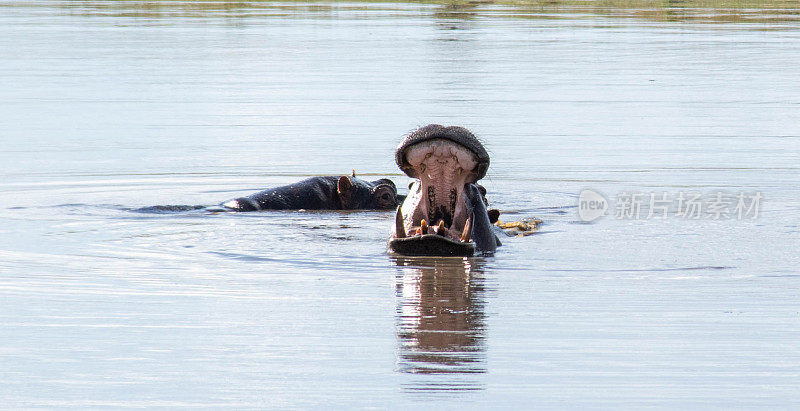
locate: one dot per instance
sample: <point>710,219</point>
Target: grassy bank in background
<point>700,11</point>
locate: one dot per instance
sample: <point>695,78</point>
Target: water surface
<point>111,106</point>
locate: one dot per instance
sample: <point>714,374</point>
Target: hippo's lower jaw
<point>431,241</point>
<point>444,213</point>
<point>431,245</point>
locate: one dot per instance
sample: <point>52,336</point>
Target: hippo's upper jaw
<point>444,213</point>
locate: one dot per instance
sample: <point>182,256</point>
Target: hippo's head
<point>357,194</point>
<point>439,214</point>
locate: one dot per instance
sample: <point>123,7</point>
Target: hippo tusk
<point>423,227</point>
<point>467,234</point>
<point>399,229</point>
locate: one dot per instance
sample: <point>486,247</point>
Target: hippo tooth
<point>423,227</point>
<point>467,233</point>
<point>400,230</point>
<point>440,228</point>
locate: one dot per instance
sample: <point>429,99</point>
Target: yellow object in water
<point>525,227</point>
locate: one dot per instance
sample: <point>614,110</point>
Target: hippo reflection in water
<point>445,212</point>
<point>441,321</point>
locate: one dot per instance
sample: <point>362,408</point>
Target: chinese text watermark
<point>689,205</point>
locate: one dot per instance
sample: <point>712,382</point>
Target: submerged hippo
<point>444,213</point>
<point>323,193</point>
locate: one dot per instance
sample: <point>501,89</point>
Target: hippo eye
<point>384,198</point>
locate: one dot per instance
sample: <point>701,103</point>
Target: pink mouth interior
<point>443,168</point>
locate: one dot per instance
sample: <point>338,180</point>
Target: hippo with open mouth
<point>444,213</point>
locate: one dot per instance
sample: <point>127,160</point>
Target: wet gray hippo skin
<point>322,193</point>
<point>444,213</point>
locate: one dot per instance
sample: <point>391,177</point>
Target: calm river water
<point>111,106</point>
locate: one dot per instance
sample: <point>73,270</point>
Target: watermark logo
<point>591,205</point>
<point>687,205</point>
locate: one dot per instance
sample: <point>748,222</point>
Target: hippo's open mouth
<point>439,215</point>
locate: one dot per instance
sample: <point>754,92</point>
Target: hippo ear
<point>344,187</point>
